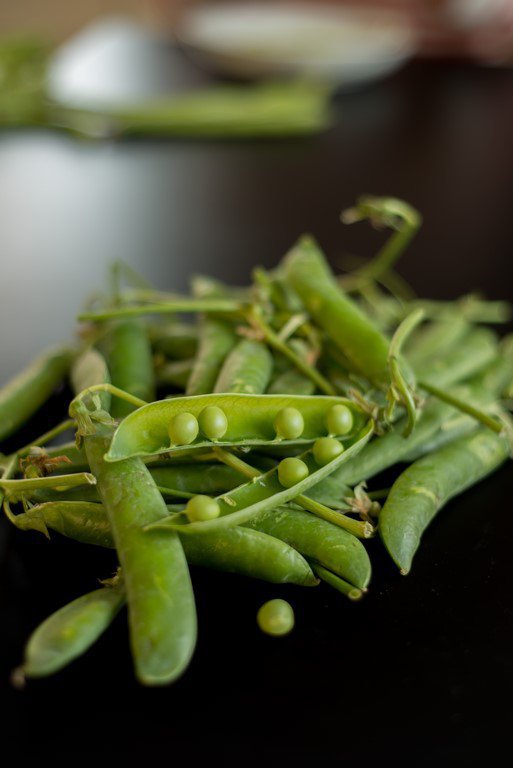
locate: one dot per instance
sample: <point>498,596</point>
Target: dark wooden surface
<point>421,671</point>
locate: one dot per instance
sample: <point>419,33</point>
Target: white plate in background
<point>344,46</point>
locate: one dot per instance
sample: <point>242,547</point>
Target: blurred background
<point>420,101</point>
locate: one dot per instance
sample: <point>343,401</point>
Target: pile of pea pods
<point>242,429</point>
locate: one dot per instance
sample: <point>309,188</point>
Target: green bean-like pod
<point>216,339</point>
<point>21,397</point>
<point>428,484</point>
<point>338,315</point>
<point>247,369</point>
<point>250,421</point>
<point>178,341</point>
<point>130,363</point>
<point>68,633</point>
<point>320,541</point>
<point>266,491</point>
<point>162,614</point>
<point>234,550</point>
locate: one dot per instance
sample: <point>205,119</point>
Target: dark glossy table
<point>415,673</point>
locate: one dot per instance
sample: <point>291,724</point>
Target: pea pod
<point>319,541</point>
<point>162,615</point>
<point>247,369</point>
<point>21,397</point>
<point>428,484</point>
<point>240,550</point>
<point>130,364</point>
<point>250,421</point>
<point>217,338</point>
<point>265,492</point>
<point>338,315</point>
<point>69,632</point>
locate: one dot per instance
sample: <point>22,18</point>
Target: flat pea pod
<point>265,492</point>
<point>250,421</point>
<point>70,631</point>
<point>130,363</point>
<point>362,343</point>
<point>428,484</point>
<point>23,395</point>
<point>162,614</point>
<point>239,550</point>
<point>247,369</point>
<point>318,540</point>
<point>216,339</point>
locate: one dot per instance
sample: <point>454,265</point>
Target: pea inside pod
<point>250,420</point>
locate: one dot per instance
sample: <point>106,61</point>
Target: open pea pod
<point>250,420</point>
<point>265,491</point>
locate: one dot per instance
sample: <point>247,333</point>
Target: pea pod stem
<point>476,413</point>
<point>15,487</point>
<point>225,306</point>
<point>362,530</point>
<point>273,339</point>
<point>111,389</point>
<point>174,493</point>
<point>45,438</point>
<point>349,590</point>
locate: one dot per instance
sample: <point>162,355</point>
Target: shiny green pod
<point>360,340</point>
<point>247,369</point>
<point>239,550</point>
<point>428,484</point>
<point>130,363</point>
<point>70,631</point>
<point>161,608</point>
<point>250,422</point>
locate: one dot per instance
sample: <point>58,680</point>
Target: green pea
<point>339,420</point>
<point>291,471</point>
<point>183,429</point>
<point>201,508</point>
<point>213,422</point>
<point>289,424</point>
<point>325,449</point>
<point>276,618</point>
